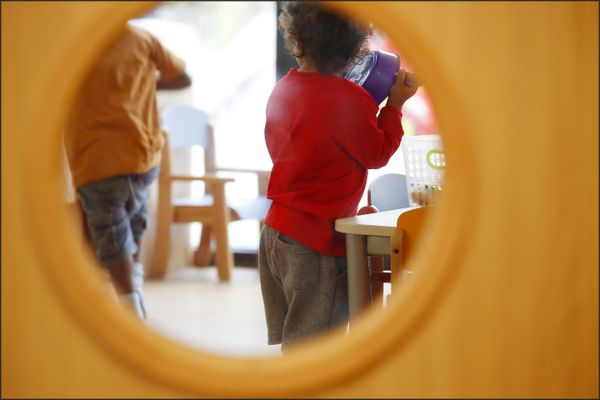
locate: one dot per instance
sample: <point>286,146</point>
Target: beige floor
<point>192,307</point>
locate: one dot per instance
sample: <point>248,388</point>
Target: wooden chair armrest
<point>208,178</point>
<point>262,175</point>
<point>263,172</point>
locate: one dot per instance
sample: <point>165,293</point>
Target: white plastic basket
<point>424,162</point>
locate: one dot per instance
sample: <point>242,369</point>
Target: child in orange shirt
<point>113,141</point>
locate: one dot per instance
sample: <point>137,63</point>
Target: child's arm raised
<point>369,139</point>
<point>405,87</point>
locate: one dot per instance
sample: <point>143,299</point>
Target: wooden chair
<point>386,192</point>
<point>405,236</point>
<point>187,126</point>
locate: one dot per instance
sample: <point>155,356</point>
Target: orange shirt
<point>114,127</point>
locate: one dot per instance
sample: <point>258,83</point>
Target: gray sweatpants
<point>304,292</point>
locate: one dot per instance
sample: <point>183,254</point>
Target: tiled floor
<point>192,307</point>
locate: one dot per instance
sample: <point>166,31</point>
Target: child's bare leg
<point>121,273</point>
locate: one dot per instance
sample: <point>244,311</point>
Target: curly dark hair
<point>329,41</point>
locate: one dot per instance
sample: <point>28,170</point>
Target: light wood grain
<point>505,303</point>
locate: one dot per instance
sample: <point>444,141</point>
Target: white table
<point>366,235</point>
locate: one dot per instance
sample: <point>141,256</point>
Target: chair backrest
<point>405,236</point>
<point>410,223</point>
<point>388,192</point>
<point>188,126</point>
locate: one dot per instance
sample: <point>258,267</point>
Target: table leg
<point>359,285</point>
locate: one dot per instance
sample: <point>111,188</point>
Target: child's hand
<point>405,87</point>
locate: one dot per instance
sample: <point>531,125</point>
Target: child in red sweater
<point>323,134</point>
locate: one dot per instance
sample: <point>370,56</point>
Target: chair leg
<point>203,255</point>
<point>224,256</point>
<point>157,267</point>
<point>376,264</point>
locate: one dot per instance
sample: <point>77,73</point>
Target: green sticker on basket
<point>431,164</point>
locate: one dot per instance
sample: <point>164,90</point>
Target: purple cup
<point>375,72</point>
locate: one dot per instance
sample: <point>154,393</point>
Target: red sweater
<point>323,134</point>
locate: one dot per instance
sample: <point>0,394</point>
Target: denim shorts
<point>304,293</point>
<point>116,214</point>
